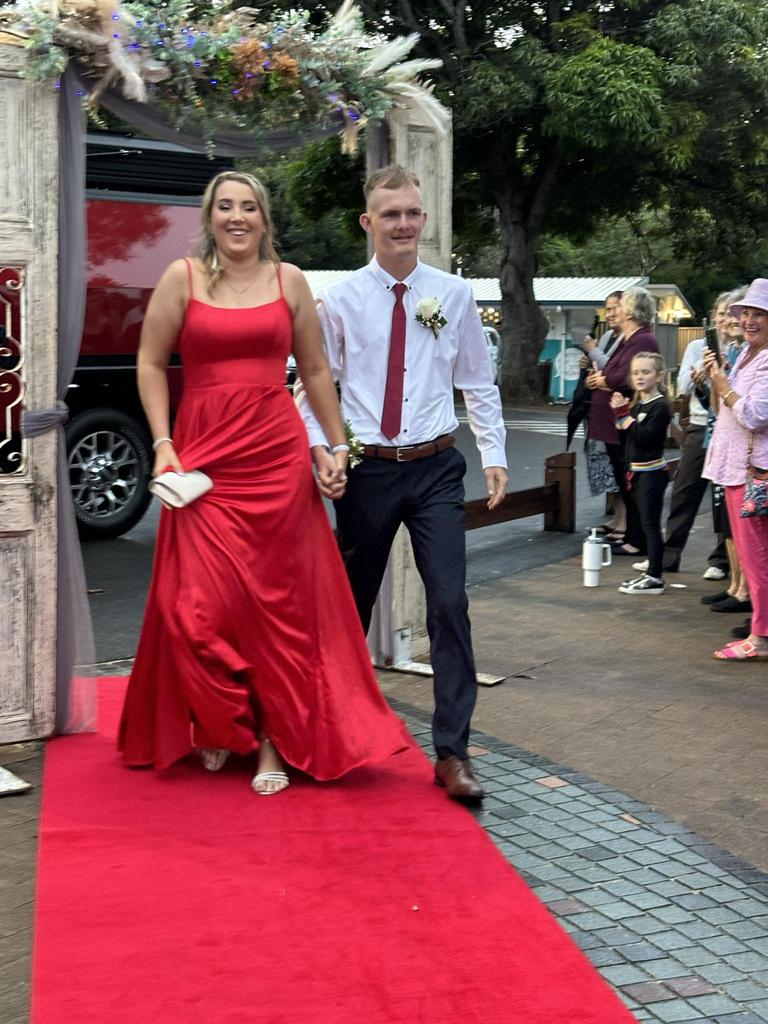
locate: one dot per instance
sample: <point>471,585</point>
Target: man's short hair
<point>392,176</point>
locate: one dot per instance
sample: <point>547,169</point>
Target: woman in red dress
<point>250,638</point>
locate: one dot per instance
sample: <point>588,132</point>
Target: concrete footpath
<point>626,777</point>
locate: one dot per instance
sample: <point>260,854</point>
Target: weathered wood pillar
<point>406,139</point>
<point>28,363</point>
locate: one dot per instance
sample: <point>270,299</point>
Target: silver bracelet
<point>161,440</point>
<point>339,448</point>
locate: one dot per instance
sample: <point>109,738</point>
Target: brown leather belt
<point>410,452</point>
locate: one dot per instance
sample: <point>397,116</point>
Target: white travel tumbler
<point>595,555</point>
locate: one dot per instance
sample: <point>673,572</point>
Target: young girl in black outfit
<point>646,420</point>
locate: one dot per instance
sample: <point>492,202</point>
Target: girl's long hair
<point>207,252</point>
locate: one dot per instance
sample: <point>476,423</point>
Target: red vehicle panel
<point>130,243</point>
<point>129,246</point>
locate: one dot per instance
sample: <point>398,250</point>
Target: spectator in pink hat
<point>740,440</point>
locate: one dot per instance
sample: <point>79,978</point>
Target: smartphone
<point>712,344</point>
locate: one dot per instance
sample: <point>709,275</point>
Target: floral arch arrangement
<point>229,69</point>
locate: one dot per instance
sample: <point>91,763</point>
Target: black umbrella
<point>582,396</point>
<point>579,410</point>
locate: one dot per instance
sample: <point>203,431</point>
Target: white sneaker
<point>641,566</point>
<point>713,573</point>
<point>643,585</point>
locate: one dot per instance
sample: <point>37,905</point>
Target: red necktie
<point>393,393</point>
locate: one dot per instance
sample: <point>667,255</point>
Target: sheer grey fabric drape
<point>76,695</point>
<point>227,143</point>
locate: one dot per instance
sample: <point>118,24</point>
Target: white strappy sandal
<point>277,775</point>
<point>260,777</point>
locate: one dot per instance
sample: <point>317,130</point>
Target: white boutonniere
<point>355,446</point>
<point>429,313</point>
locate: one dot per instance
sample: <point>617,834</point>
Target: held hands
<point>620,406</point>
<point>595,380</point>
<point>166,458</point>
<point>496,479</point>
<point>331,471</point>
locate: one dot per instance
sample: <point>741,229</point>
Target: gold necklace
<point>237,291</point>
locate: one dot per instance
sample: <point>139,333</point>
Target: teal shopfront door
<point>565,367</point>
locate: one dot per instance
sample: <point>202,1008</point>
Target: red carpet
<point>184,898</point>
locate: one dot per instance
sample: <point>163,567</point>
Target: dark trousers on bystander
<point>687,491</point>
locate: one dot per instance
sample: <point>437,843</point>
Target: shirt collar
<point>384,278</point>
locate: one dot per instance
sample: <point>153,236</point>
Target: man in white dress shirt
<point>397,371</point>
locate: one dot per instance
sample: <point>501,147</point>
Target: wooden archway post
<point>398,623</point>
<point>28,365</point>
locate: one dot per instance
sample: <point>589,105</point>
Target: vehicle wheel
<point>110,462</point>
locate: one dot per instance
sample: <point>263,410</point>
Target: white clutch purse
<point>177,491</point>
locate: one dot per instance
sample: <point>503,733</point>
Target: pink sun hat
<point>756,297</point>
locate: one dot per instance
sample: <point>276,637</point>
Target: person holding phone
<point>689,485</point>
<point>738,449</point>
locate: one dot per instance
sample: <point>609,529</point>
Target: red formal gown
<point>249,618</point>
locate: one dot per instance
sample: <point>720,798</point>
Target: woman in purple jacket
<point>637,311</point>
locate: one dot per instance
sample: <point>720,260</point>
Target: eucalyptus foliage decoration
<point>228,68</point>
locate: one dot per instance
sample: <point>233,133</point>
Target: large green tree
<point>570,111</point>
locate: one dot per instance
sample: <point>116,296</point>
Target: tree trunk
<point>524,327</point>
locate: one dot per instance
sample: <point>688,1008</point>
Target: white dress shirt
<point>356,316</point>
<point>693,359</point>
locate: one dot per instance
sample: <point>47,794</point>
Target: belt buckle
<point>397,455</point>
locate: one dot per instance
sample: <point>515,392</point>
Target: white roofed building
<point>570,304</point>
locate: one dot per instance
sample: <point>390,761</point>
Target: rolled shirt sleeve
<point>472,376</point>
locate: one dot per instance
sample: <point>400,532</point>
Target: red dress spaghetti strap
<point>249,614</point>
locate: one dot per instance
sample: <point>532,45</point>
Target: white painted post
<point>28,363</point>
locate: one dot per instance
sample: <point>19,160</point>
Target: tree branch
<point>456,13</point>
<point>414,25</point>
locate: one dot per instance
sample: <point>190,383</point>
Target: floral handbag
<point>755,500</point>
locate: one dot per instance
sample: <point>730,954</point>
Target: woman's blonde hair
<point>658,361</point>
<point>206,251</point>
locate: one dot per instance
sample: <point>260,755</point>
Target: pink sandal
<point>743,650</point>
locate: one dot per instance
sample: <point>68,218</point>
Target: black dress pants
<point>648,490</point>
<point>427,496</point>
<point>617,454</point>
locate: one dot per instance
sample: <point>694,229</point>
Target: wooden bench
<point>556,500</point>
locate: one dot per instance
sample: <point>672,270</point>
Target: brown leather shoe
<point>457,777</point>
